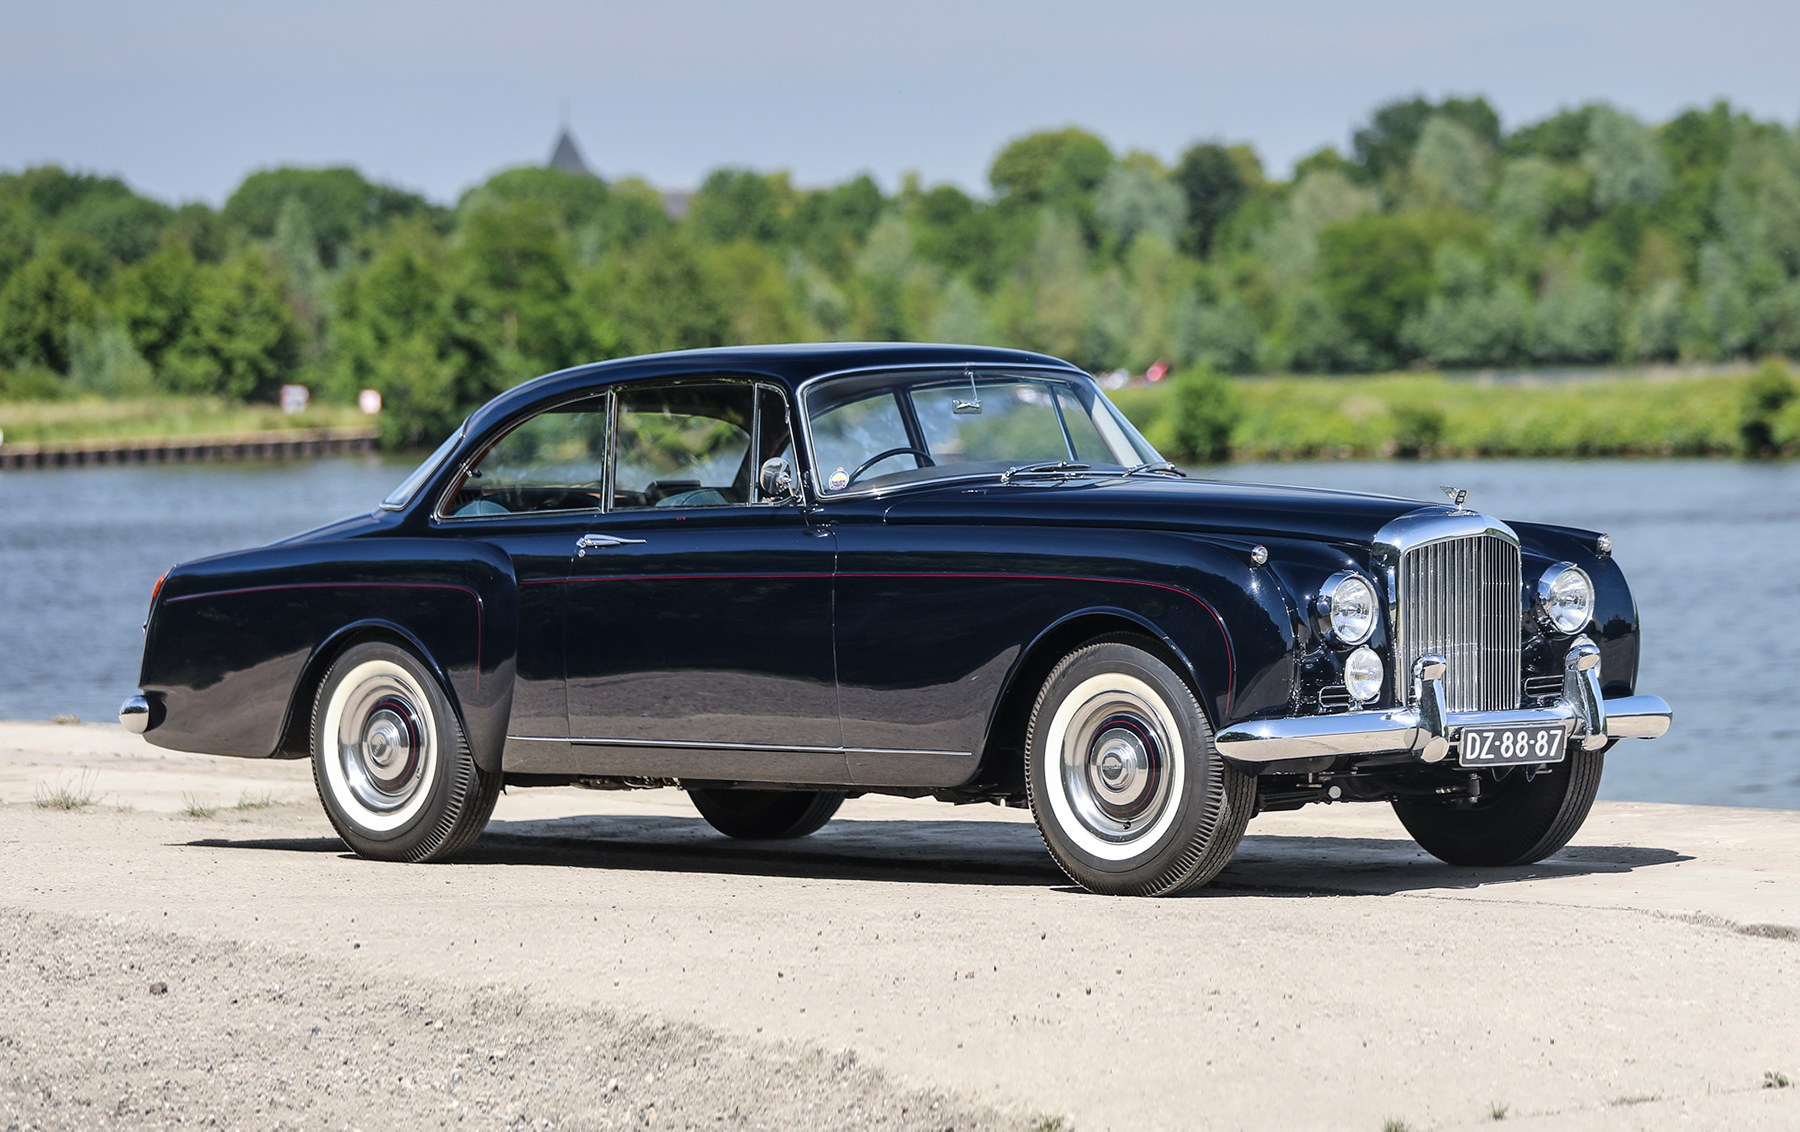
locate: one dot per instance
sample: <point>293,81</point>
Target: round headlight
<point>1348,603</point>
<point>1565,597</point>
<point>1363,675</point>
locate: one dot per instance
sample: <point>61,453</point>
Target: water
<point>1712,550</point>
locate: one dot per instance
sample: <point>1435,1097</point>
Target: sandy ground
<point>605,960</point>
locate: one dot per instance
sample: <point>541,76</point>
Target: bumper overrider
<point>1427,731</point>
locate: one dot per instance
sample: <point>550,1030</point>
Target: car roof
<point>787,365</point>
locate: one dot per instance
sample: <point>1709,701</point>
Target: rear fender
<point>236,643</point>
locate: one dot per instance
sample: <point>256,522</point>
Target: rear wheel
<point>1516,821</point>
<point>1130,795</point>
<point>765,815</point>
<point>390,760</point>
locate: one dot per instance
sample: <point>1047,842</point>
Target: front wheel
<point>1129,793</point>
<point>1516,821</point>
<point>391,762</point>
<point>765,815</point>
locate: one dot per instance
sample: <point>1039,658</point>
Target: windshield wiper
<point>1155,468</point>
<point>1043,468</point>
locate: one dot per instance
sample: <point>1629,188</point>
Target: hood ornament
<point>1456,494</point>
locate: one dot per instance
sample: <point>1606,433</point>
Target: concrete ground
<point>912,965</point>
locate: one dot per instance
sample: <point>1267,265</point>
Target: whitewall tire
<point>390,760</point>
<point>1129,794</point>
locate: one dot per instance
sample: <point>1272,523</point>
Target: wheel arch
<point>1003,747</point>
<point>296,730</point>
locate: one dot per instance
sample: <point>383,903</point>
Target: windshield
<point>409,487</point>
<point>882,430</point>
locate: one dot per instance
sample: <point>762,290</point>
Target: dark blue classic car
<point>776,577</point>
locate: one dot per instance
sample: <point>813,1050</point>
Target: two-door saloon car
<point>779,576</point>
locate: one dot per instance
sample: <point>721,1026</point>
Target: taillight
<point>155,592</point>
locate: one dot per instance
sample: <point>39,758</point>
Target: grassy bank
<point>1431,415</point>
<point>91,418</point>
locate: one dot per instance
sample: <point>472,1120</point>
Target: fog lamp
<point>1364,675</point>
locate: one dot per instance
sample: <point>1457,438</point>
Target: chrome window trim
<point>811,472</point>
<point>609,393</point>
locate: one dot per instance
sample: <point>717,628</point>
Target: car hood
<point>1216,506</point>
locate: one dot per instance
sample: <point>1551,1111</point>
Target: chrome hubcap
<point>1115,766</point>
<point>382,744</point>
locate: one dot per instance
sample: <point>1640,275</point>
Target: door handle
<point>599,542</point>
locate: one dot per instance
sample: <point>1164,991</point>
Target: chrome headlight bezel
<point>1553,602</point>
<point>1338,616</point>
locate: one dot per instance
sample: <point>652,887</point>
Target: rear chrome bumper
<point>134,714</point>
<point>1427,731</point>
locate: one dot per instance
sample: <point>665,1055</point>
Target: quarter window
<point>551,462</point>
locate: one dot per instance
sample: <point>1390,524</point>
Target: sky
<point>183,98</point>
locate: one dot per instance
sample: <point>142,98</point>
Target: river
<point>1712,549</point>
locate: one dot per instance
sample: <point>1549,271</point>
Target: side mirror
<point>775,481</point>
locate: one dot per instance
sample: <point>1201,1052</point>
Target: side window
<point>551,462</point>
<point>684,444</point>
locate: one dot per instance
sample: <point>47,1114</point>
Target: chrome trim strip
<point>694,745</point>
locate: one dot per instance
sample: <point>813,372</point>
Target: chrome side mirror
<point>775,481</point>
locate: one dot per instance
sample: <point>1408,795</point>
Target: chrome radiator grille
<point>1459,598</point>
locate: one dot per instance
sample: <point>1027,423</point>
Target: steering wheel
<point>880,456</point>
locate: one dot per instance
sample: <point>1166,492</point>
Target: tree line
<point>1438,240</point>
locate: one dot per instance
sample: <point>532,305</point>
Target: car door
<point>534,490</point>
<point>698,612</point>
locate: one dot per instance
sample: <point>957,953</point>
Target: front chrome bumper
<point>1427,731</point>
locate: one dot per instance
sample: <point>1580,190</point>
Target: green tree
<point>155,300</point>
<point>742,204</point>
<point>1384,148</point>
<point>1766,395</point>
<point>1376,272</point>
<point>1450,165</point>
<point>952,229</point>
<point>1653,328</point>
<point>242,342</point>
<point>340,203</point>
<point>1624,159</point>
<point>1134,200</point>
<point>1207,413</point>
<point>1470,319</point>
<point>660,297</point>
<point>515,270</point>
<point>1560,138</point>
<point>831,224</point>
<point>571,200</point>
<point>38,306</point>
<point>401,327</point>
<point>1577,321</point>
<point>1053,167</point>
<point>1213,185</point>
